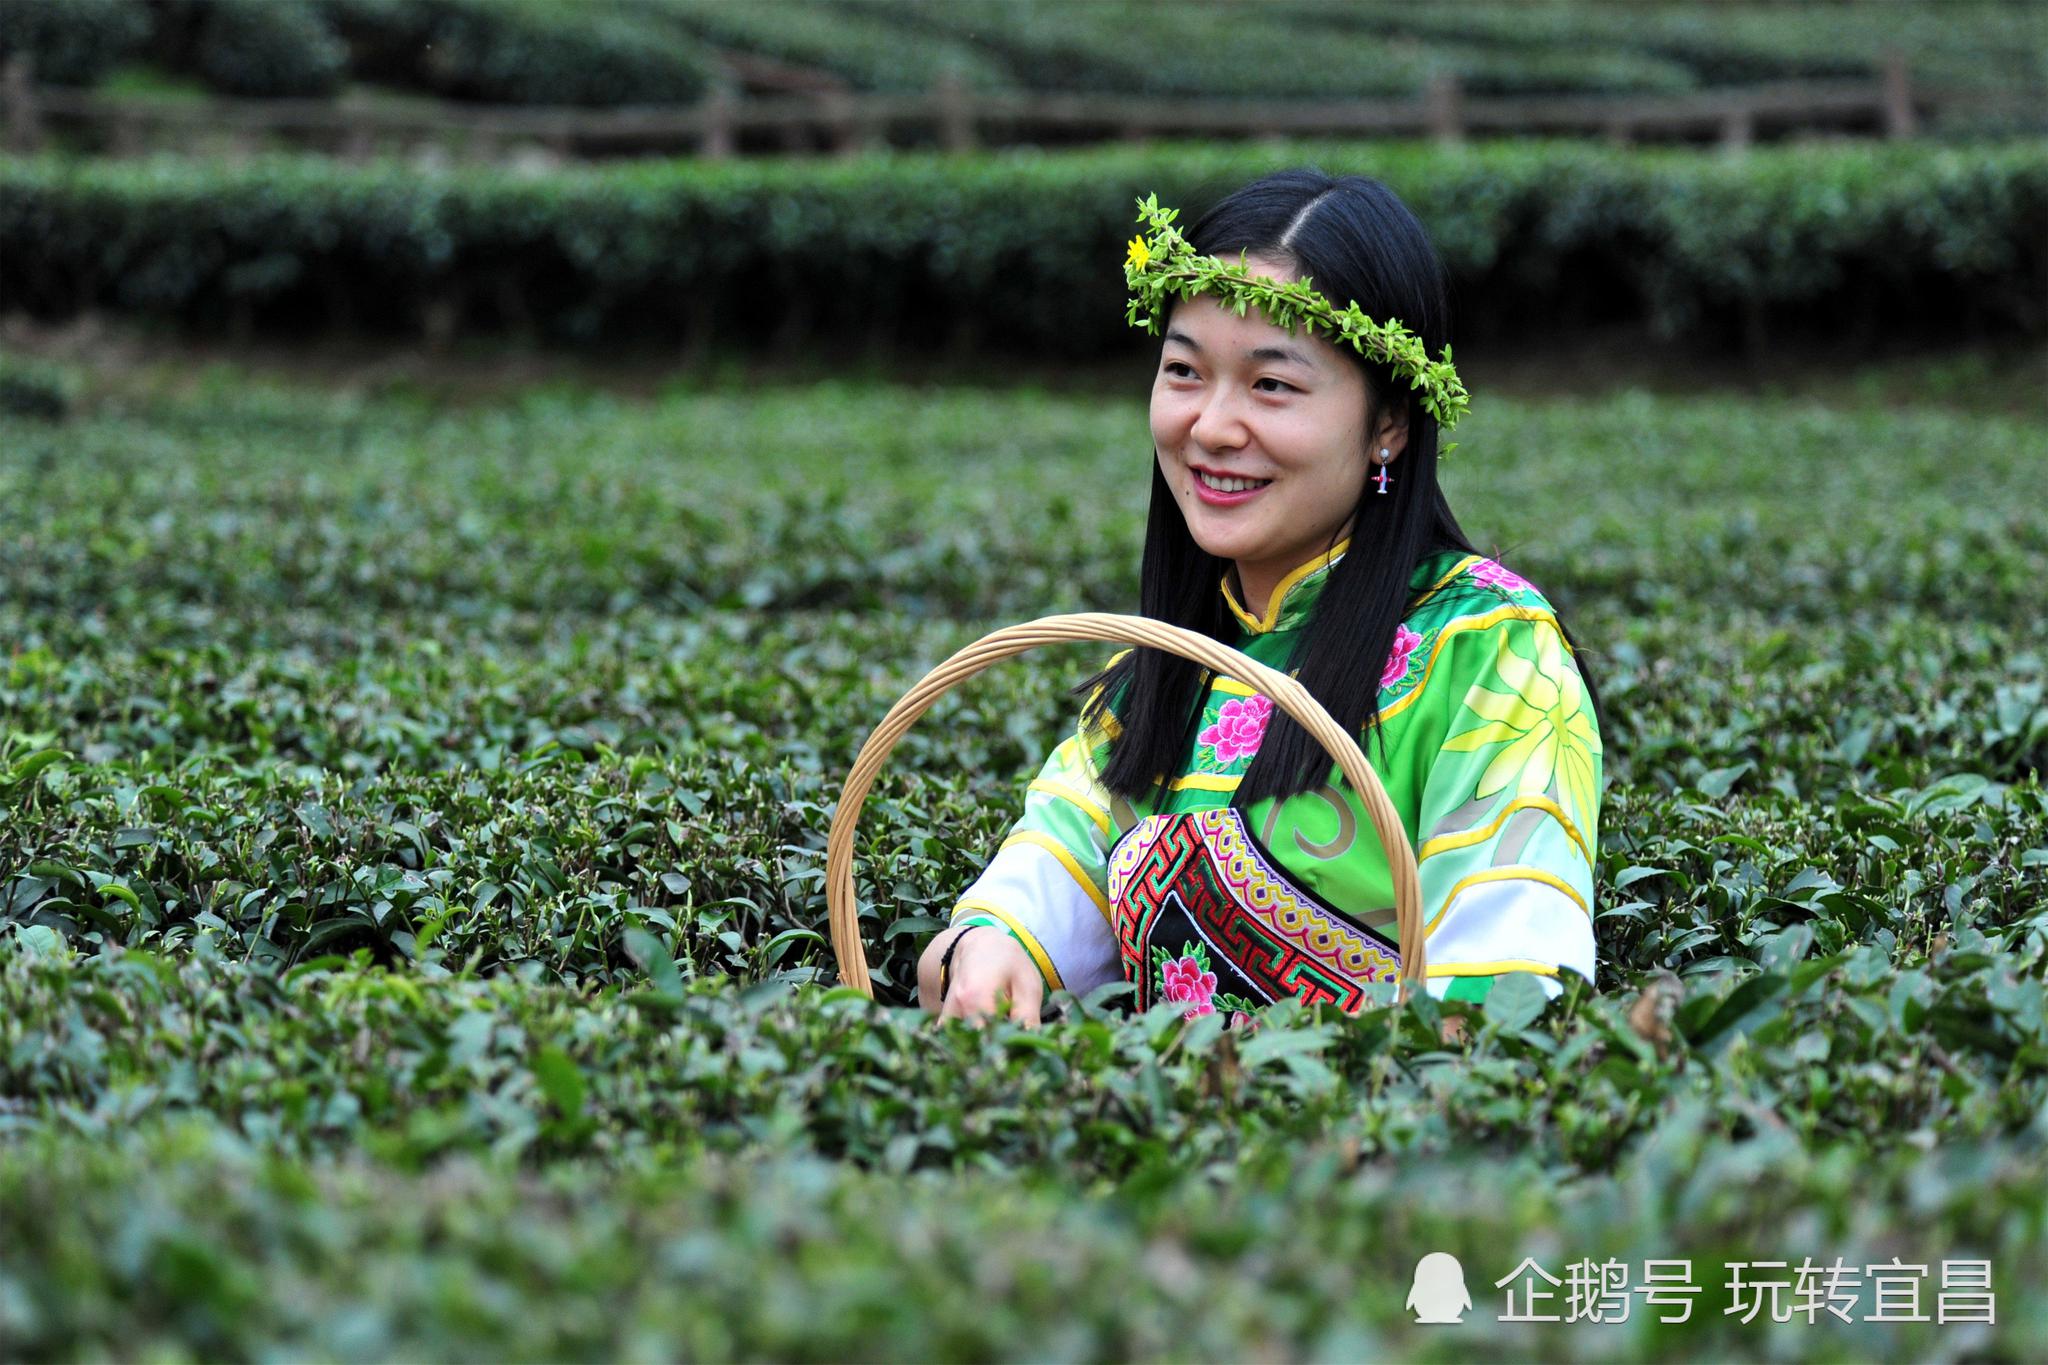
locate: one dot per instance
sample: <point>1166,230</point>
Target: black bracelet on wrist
<point>946,960</point>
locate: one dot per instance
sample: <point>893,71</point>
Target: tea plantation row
<point>671,51</point>
<point>411,863</point>
<point>1019,253</point>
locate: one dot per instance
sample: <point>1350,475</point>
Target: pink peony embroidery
<point>1405,641</point>
<point>1186,983</point>
<point>1239,727</point>
<point>1238,1019</point>
<point>1497,575</point>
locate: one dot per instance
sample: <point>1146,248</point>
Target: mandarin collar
<point>1292,596</point>
<point>1296,593</point>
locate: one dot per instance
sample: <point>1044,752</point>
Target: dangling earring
<point>1382,477</point>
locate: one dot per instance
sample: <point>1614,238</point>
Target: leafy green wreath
<point>1164,263</point>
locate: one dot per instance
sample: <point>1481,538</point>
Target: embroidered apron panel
<point>1204,915</point>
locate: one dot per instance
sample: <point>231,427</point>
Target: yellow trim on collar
<point>1456,569</point>
<point>1261,625</point>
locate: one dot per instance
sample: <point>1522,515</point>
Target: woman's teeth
<point>1230,485</point>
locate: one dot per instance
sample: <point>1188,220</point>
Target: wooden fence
<point>949,117</point>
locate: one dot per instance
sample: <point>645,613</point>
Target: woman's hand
<point>990,972</point>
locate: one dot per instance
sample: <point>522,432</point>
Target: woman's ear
<point>1391,436</point>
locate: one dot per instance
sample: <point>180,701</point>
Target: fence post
<point>440,316</point>
<point>1441,100</point>
<point>18,104</point>
<point>845,125</point>
<point>1899,120</point>
<point>717,138</point>
<point>837,121</point>
<point>1738,126</point>
<point>126,136</point>
<point>956,119</point>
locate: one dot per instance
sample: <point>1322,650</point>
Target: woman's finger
<point>964,1001</point>
<point>1027,998</point>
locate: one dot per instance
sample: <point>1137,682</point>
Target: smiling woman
<point>1188,837</point>
<point>1267,505</point>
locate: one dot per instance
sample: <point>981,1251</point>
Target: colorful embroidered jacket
<point>1492,756</point>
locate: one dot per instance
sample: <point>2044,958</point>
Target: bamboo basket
<point>1285,693</point>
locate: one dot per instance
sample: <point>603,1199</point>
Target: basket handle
<point>1290,696</point>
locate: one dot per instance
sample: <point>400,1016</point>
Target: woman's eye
<point>1175,368</point>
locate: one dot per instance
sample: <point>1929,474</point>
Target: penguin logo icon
<point>1439,1293</point>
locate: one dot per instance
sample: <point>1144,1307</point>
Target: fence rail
<point>951,117</point>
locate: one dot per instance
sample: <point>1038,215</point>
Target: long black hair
<point>1357,241</point>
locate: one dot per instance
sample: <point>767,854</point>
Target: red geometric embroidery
<point>1198,876</point>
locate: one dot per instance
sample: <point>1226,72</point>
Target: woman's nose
<point>1218,426</point>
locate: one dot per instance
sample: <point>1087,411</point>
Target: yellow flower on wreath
<point>1545,722</point>
<point>1140,253</point>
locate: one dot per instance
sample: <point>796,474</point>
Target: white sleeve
<point>1048,883</point>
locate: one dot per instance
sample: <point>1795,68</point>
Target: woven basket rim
<point>1104,627</point>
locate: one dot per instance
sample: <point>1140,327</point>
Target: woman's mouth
<point>1220,491</point>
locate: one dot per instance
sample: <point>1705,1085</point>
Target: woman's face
<point>1237,399</point>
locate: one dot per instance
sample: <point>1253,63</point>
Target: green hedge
<point>715,1062</point>
<point>258,48</point>
<point>200,1244</point>
<point>73,42</point>
<point>36,388</point>
<point>411,938</point>
<point>857,43</point>
<point>1232,50</point>
<point>923,250</point>
<point>523,51</point>
<point>632,51</point>
<point>1389,48</point>
<point>502,51</point>
<point>1970,43</point>
<point>497,688</point>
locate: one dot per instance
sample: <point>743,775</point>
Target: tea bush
<point>1020,252</point>
<point>412,862</point>
<point>639,51</point>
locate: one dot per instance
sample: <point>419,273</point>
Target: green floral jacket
<point>1492,756</point>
